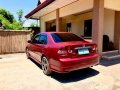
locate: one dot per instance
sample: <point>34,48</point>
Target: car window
<point>40,39</point>
<point>37,38</point>
<point>65,37</point>
<point>43,38</point>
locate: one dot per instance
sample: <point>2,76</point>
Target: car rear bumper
<point>71,64</point>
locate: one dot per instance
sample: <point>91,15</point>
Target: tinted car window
<point>43,38</point>
<point>37,38</point>
<point>40,38</point>
<point>65,37</point>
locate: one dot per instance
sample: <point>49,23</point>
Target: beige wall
<point>109,20</point>
<point>43,26</point>
<point>77,22</point>
<point>112,4</point>
<point>49,17</point>
<point>44,19</point>
<point>76,7</point>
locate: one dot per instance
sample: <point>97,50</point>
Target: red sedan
<point>62,52</point>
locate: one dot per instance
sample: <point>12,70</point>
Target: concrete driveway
<point>19,73</point>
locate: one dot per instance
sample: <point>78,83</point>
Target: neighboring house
<point>88,18</point>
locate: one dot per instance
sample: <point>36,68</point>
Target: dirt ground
<point>19,73</point>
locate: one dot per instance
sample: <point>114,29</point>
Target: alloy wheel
<point>45,66</point>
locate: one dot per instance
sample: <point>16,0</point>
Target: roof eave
<point>39,7</point>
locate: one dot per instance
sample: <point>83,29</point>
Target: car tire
<point>45,66</point>
<point>27,53</point>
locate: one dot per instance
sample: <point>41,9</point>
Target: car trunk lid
<point>77,48</point>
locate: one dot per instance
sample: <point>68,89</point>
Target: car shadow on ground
<point>109,62</point>
<point>72,76</point>
<point>75,75</point>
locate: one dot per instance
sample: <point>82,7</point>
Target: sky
<point>15,5</point>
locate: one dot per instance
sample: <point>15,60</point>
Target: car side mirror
<point>29,41</point>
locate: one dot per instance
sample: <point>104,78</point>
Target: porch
<point>81,25</point>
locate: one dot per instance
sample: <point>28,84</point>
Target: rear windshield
<point>65,37</point>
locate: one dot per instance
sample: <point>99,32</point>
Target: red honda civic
<point>62,52</point>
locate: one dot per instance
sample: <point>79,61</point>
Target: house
<point>87,18</point>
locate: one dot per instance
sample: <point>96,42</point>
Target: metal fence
<point>13,41</point>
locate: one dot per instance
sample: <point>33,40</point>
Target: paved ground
<point>19,73</point>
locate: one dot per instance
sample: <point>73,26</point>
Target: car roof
<point>53,32</point>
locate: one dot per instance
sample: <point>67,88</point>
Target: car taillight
<point>62,52</point>
<point>94,49</point>
<point>65,51</point>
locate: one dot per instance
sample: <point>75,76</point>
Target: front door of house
<point>88,28</point>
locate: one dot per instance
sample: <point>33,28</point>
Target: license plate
<point>83,51</point>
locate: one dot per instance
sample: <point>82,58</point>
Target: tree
<point>5,22</point>
<point>8,21</point>
<point>7,25</point>
<point>20,16</point>
<point>16,25</point>
<point>7,15</point>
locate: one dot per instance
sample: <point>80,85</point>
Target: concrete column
<point>117,31</point>
<point>98,23</point>
<point>40,24</point>
<point>58,21</point>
